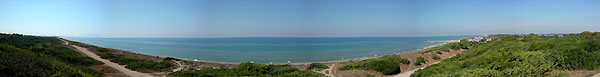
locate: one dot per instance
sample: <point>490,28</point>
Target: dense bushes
<point>32,56</point>
<point>522,55</point>
<point>435,57</point>
<point>419,61</point>
<point>385,67</point>
<point>317,66</point>
<point>388,64</point>
<point>249,69</point>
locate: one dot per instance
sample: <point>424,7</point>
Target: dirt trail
<point>328,72</point>
<point>178,68</point>
<point>110,64</point>
<point>408,73</point>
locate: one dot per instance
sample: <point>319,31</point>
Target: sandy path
<point>597,75</point>
<point>408,73</point>
<point>330,70</point>
<point>178,68</point>
<point>110,64</point>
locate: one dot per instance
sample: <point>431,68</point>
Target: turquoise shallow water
<point>267,49</point>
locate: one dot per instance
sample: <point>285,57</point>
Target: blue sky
<point>295,18</point>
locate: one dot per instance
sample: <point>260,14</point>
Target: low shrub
<point>388,64</point>
<point>435,57</point>
<point>317,66</point>
<point>419,61</point>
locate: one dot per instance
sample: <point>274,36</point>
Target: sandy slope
<point>111,64</point>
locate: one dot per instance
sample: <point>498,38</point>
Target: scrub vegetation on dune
<point>522,55</point>
<point>33,56</point>
<point>249,69</point>
<point>388,64</point>
<point>317,66</point>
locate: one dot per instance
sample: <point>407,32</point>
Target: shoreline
<point>297,63</point>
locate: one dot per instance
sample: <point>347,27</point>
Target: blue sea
<point>267,49</point>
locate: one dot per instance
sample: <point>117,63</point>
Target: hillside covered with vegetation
<point>34,56</point>
<point>522,55</point>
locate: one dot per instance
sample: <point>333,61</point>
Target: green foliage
<point>317,66</point>
<point>171,58</point>
<point>419,61</point>
<point>435,57</point>
<point>249,69</point>
<point>522,56</point>
<point>388,64</point>
<point>438,52</point>
<point>103,50</point>
<point>386,67</point>
<point>33,56</point>
<point>369,75</point>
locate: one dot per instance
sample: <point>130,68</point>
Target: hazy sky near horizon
<point>283,18</point>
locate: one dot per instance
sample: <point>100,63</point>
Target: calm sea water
<point>267,49</point>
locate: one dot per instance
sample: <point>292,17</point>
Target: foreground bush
<point>522,56</point>
<point>249,69</point>
<point>33,56</point>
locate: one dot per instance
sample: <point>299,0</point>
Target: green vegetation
<point>33,56</point>
<point>435,57</point>
<point>249,69</point>
<point>419,61</point>
<point>369,75</point>
<point>141,65</point>
<point>171,58</point>
<point>317,66</point>
<point>522,55</point>
<point>438,52</point>
<point>388,64</point>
